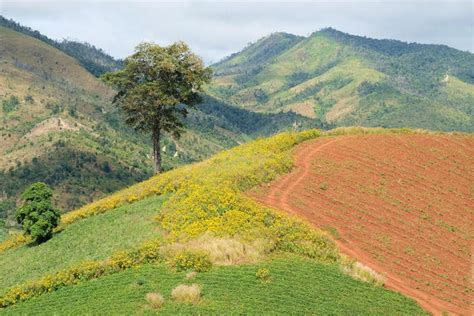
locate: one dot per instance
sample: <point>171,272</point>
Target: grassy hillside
<point>58,126</point>
<point>350,80</point>
<point>197,217</point>
<point>298,286</point>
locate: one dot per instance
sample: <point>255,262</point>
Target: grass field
<point>298,286</point>
<point>93,238</point>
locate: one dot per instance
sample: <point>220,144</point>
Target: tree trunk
<point>157,149</point>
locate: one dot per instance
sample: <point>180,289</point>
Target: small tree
<point>37,215</point>
<point>154,88</point>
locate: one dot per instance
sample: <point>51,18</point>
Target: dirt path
<point>283,193</point>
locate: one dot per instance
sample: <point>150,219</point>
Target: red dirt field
<point>401,204</point>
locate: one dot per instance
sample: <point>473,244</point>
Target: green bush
<point>37,215</point>
<point>10,104</point>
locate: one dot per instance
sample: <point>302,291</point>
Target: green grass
<point>93,238</point>
<point>298,286</point>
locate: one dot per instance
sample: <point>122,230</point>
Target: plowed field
<point>401,204</point>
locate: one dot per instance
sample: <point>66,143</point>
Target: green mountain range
<point>351,80</point>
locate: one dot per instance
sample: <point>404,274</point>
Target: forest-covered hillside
<point>352,80</point>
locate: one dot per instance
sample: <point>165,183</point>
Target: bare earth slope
<point>401,204</point>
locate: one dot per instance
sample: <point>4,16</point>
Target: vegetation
<point>154,88</point>
<point>65,132</point>
<point>93,239</point>
<point>298,286</point>
<point>205,198</point>
<point>37,216</point>
<point>352,80</point>
<point>10,104</point>
<point>94,59</point>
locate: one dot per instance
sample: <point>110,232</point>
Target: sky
<point>215,29</point>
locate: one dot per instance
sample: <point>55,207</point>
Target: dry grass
<point>223,251</point>
<point>361,272</point>
<point>155,300</point>
<point>187,293</point>
<point>191,275</point>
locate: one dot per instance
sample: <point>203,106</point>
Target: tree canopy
<point>37,215</point>
<point>155,86</point>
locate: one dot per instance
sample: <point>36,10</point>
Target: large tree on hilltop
<point>156,86</point>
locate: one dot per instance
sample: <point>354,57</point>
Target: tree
<point>37,215</point>
<point>156,86</point>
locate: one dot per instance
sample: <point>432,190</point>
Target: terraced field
<point>298,286</point>
<point>401,204</point>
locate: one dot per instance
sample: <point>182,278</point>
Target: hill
<point>58,126</point>
<point>94,59</point>
<point>400,204</point>
<point>351,80</point>
<point>198,217</point>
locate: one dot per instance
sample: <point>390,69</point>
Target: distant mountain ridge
<point>345,80</point>
<point>94,59</point>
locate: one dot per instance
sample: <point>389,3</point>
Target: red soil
<point>401,204</point>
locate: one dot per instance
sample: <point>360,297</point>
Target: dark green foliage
<point>156,86</point>
<point>366,88</point>
<point>6,207</point>
<point>29,99</point>
<point>251,123</point>
<point>81,175</point>
<point>313,90</point>
<point>300,77</point>
<point>94,59</point>
<point>422,65</point>
<point>10,104</point>
<point>37,215</point>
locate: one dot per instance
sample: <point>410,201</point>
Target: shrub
<point>155,300</point>
<point>10,104</point>
<point>187,293</point>
<point>263,274</point>
<point>147,253</point>
<point>37,215</point>
<point>192,260</point>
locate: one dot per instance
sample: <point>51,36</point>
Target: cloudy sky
<point>215,29</point>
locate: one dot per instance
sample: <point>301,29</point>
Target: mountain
<point>351,80</point>
<point>94,59</point>
<point>58,126</point>
<point>194,241</point>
